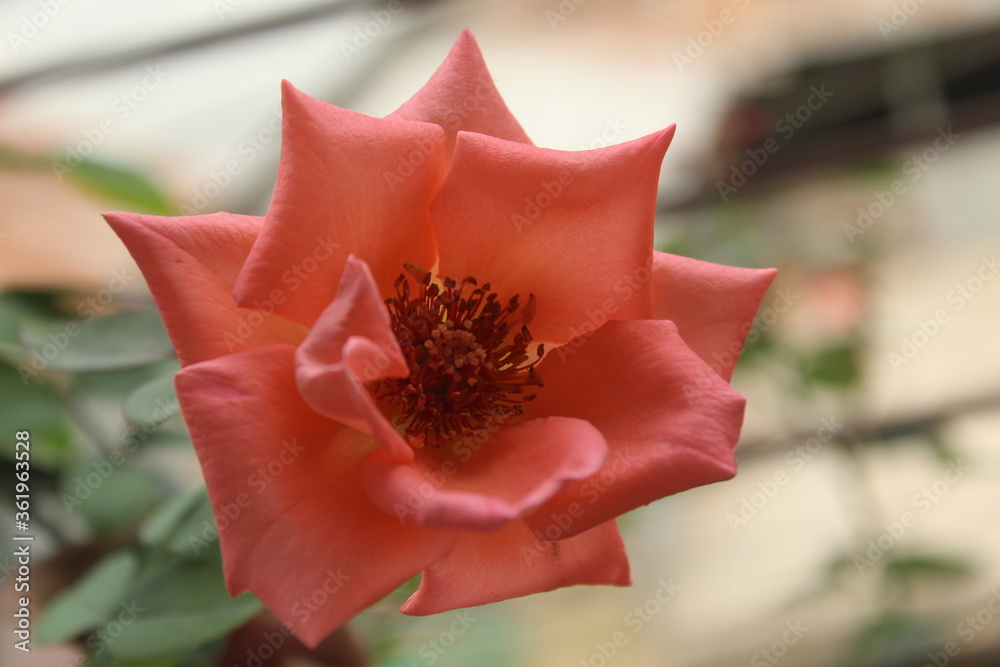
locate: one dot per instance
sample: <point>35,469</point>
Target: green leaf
<point>210,653</point>
<point>928,566</point>
<point>113,495</point>
<point>12,310</point>
<point>197,535</point>
<point>90,601</point>
<point>118,384</point>
<point>892,638</point>
<point>123,184</point>
<point>940,447</point>
<point>171,517</point>
<point>106,659</point>
<point>37,408</point>
<point>834,366</point>
<point>839,569</point>
<point>121,340</point>
<point>181,607</point>
<point>154,402</point>
<point>19,307</point>
<point>757,346</point>
<point>875,170</point>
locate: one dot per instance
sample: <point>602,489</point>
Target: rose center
<point>468,358</point>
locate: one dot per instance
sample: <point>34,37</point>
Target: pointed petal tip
<point>669,132</point>
<point>662,139</point>
<point>293,99</point>
<point>623,576</point>
<point>410,608</point>
<point>466,44</point>
<point>118,220</point>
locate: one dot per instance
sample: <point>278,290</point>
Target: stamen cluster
<point>468,358</point>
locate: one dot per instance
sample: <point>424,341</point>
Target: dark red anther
<point>466,371</point>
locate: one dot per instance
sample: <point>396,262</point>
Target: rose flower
<point>445,351</point>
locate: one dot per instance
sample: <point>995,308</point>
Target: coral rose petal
<point>352,344</point>
<point>284,486</point>
<point>482,485</point>
<point>712,305</point>
<point>347,183</point>
<point>461,96</point>
<point>671,422</point>
<point>573,228</point>
<point>489,567</point>
<point>207,251</point>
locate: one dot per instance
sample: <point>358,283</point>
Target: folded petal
<point>484,483</point>
<point>190,264</point>
<point>347,183</point>
<point>713,305</point>
<point>284,485</point>
<point>489,567</point>
<point>670,421</point>
<point>461,96</point>
<point>573,228</point>
<point>352,344</point>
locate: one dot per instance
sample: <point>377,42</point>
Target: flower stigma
<point>468,357</point>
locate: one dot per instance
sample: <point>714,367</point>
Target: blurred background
<point>853,145</point>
